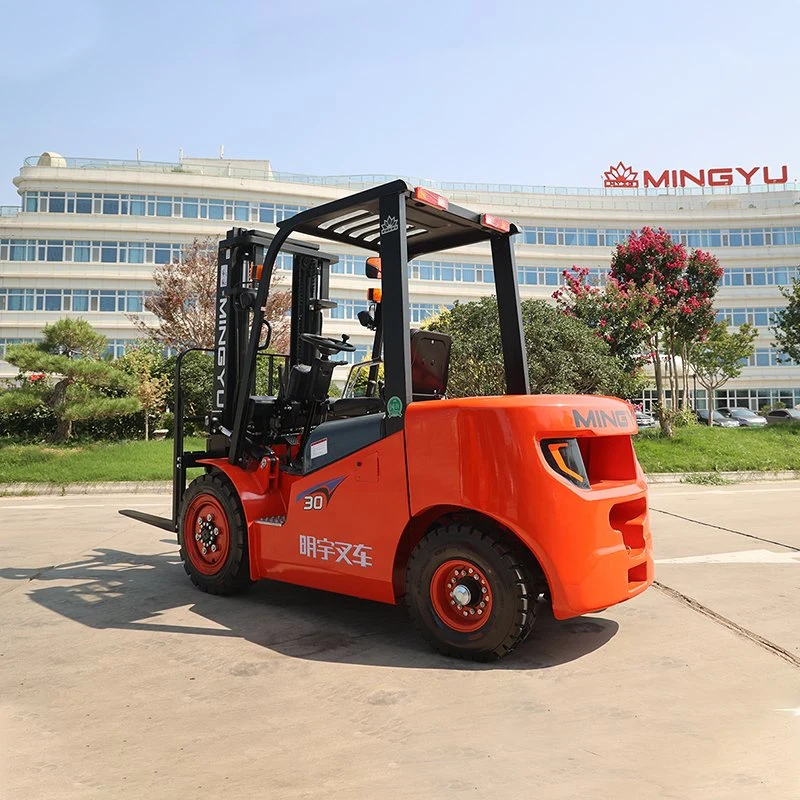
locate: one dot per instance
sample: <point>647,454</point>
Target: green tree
<point>64,371</point>
<point>787,323</point>
<point>146,364</point>
<point>362,380</point>
<point>718,357</point>
<point>197,377</point>
<point>564,355</point>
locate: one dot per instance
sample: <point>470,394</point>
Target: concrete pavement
<point>741,555</point>
<point>118,679</point>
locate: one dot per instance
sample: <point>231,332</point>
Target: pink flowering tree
<point>656,304</point>
<point>618,314</point>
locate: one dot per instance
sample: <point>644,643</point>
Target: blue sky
<point>520,92</point>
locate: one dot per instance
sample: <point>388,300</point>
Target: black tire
<point>232,573</point>
<point>511,585</point>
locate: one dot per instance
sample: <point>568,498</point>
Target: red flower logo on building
<point>621,177</point>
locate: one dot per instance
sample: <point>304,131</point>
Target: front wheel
<point>212,534</point>
<point>469,593</point>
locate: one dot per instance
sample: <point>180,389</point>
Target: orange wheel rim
<point>461,595</point>
<point>206,534</point>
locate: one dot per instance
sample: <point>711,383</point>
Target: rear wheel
<point>469,593</point>
<point>212,534</point>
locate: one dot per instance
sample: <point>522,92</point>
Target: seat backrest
<point>430,363</point>
<point>297,383</point>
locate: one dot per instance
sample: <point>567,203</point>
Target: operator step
<point>276,521</point>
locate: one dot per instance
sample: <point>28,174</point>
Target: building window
<point>104,252</point>
<point>418,312</point>
<point>756,399</point>
<point>76,300</point>
<point>360,354</point>
<point>759,276</point>
<point>5,343</point>
<point>758,316</point>
<point>768,357</point>
<point>704,237</point>
<point>348,309</point>
<point>139,205</point>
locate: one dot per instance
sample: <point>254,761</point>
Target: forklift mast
<point>242,267</point>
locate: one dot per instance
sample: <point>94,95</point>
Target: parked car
<point>644,420</point>
<point>783,416</point>
<point>717,420</point>
<point>744,416</point>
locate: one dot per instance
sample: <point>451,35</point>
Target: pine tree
<point>65,371</point>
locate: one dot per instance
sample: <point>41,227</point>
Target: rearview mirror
<point>373,268</point>
<point>366,319</point>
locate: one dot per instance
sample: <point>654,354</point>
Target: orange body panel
<point>344,522</point>
<point>484,454</point>
<point>340,538</point>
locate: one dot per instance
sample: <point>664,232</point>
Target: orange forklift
<point>472,510</point>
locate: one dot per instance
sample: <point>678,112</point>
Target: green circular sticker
<point>394,408</point>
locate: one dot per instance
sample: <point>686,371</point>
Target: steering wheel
<point>327,347</point>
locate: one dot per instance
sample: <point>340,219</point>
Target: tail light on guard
<point>495,223</point>
<point>431,198</point>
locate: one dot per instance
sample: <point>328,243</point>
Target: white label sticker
<point>319,448</point>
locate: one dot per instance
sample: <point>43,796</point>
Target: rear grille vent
<point>628,519</point>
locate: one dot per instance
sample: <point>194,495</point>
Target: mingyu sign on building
<point>623,176</point>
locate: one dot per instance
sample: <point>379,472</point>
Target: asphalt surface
<point>119,680</point>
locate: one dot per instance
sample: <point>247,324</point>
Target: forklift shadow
<point>114,589</point>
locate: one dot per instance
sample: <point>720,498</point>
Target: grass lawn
<point>703,449</point>
<point>695,449</point>
<point>85,462</point>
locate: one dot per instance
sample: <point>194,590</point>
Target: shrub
<point>166,422</point>
<point>680,417</point>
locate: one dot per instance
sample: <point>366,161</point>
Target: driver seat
<point>430,364</point>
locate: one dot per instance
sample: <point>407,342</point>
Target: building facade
<point>88,233</point>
